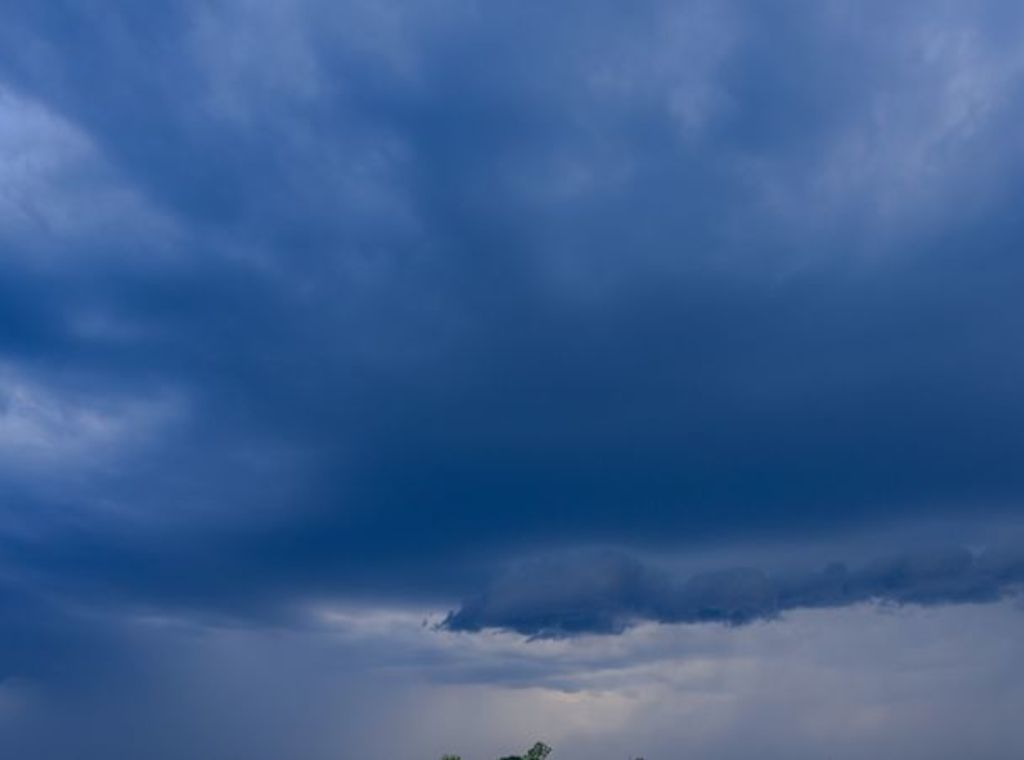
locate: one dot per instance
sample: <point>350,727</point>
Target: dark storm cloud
<point>419,289</point>
<point>607,592</point>
<point>314,314</point>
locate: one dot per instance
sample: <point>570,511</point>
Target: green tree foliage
<point>538,751</point>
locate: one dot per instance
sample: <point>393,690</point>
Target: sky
<point>383,379</point>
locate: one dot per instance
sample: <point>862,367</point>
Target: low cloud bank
<point>607,592</point>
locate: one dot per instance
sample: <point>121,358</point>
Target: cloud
<point>928,682</point>
<point>61,426</point>
<point>448,284</point>
<point>316,318</point>
<point>61,200</point>
<point>608,592</point>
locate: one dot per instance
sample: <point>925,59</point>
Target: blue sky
<point>384,379</point>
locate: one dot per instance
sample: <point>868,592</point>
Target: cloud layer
<point>363,308</point>
<point>608,592</point>
<point>309,305</point>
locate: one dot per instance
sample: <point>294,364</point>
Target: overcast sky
<point>382,379</point>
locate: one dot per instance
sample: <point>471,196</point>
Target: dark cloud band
<point>607,593</point>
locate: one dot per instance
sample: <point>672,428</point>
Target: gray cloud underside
<point>607,592</point>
